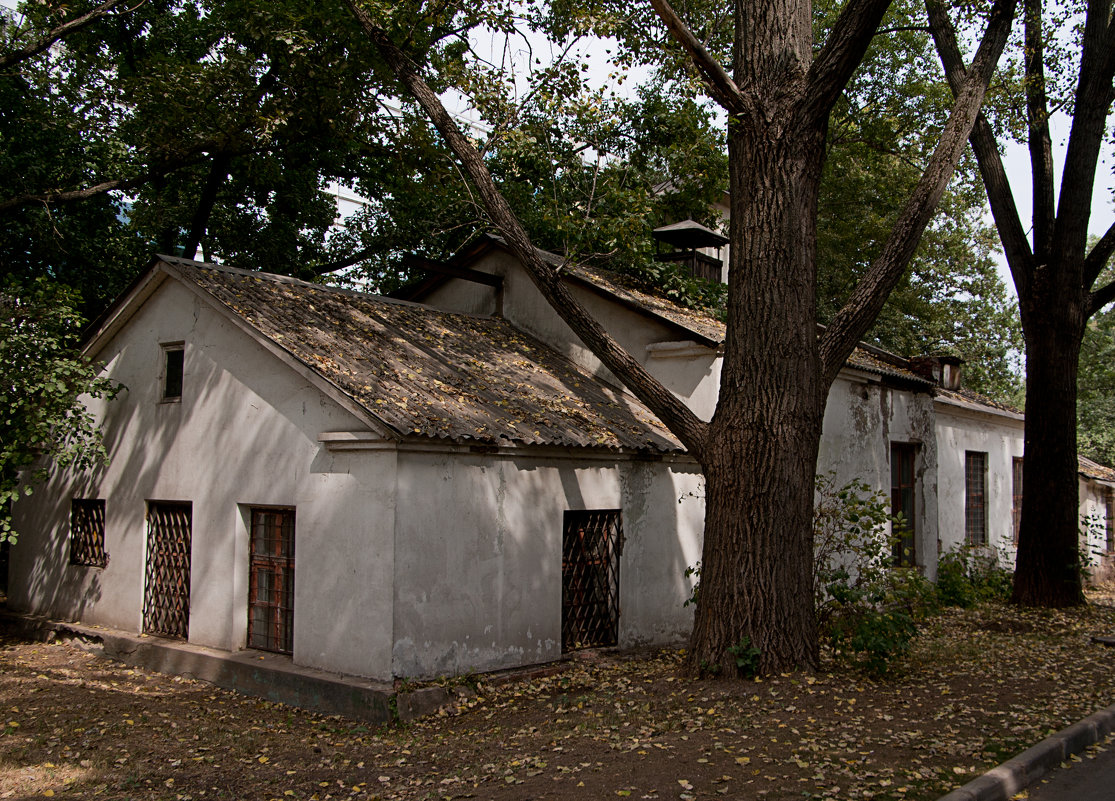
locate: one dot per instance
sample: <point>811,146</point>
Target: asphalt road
<point>1092,779</point>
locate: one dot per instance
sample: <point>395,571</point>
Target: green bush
<point>866,608</point>
<point>966,576</point>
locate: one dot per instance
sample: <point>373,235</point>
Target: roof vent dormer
<point>944,369</point>
<point>687,237</point>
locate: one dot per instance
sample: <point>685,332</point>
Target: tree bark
<point>1048,567</point>
<point>757,560</point>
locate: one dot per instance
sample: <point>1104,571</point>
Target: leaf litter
<point>978,686</point>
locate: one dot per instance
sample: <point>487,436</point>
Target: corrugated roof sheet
<point>428,373</point>
<point>1095,470</point>
<point>971,397</point>
<point>712,330</point>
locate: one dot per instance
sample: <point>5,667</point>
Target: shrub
<point>966,576</point>
<point>865,607</point>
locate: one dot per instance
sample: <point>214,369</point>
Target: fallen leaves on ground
<point>979,686</point>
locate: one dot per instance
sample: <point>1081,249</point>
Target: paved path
<point>1092,779</point>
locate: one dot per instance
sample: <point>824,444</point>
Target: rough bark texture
<point>1048,569</point>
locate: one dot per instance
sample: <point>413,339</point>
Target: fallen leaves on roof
<point>437,374</point>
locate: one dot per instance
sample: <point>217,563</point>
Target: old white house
<point>448,483</point>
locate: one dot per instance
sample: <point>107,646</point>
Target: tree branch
<point>721,86</point>
<point>218,172</point>
<point>59,32</point>
<point>1098,257</point>
<point>842,53</point>
<point>867,299</point>
<point>1100,298</point>
<point>1093,102</point>
<point>691,430</point>
<point>1040,142</point>
<point>1007,220</point>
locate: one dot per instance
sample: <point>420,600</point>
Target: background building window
<point>174,359</point>
<point>902,501</point>
<point>1110,520</point>
<point>1016,497</point>
<point>87,532</point>
<point>975,498</point>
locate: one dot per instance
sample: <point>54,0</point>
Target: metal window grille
<point>591,547</point>
<point>975,498</point>
<point>902,499</point>
<point>1016,497</point>
<point>166,597</point>
<point>87,532</point>
<point>271,590</point>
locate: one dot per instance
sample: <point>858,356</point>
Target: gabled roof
<point>695,324</point>
<point>424,373</point>
<point>965,398</point>
<point>1095,470</point>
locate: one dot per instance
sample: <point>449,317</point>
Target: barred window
<point>271,587</point>
<point>87,532</point>
<point>975,498</point>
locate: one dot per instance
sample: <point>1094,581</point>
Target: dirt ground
<point>979,686</point>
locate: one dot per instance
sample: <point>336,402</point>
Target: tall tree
<point>1056,276</point>
<point>759,451</point>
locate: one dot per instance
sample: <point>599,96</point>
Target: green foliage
<point>967,576</point>
<point>42,418</point>
<point>882,132</point>
<point>746,656</point>
<point>865,607</point>
<point>1095,403</point>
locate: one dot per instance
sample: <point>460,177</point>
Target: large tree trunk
<point>1048,569</point>
<point>757,568</point>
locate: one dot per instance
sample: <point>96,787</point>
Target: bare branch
<point>1007,220</point>
<point>1093,102</point>
<point>1100,298</point>
<point>842,53</point>
<point>721,86</point>
<point>1040,143</point>
<point>870,294</point>
<point>59,32</point>
<point>1098,257</point>
<point>691,430</point>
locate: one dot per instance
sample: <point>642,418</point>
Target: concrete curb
<point>1018,773</point>
<point>263,675</point>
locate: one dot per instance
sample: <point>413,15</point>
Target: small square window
<point>87,532</point>
<point>173,363</point>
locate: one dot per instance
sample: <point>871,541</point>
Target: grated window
<point>591,545</point>
<point>87,532</point>
<point>271,591</point>
<point>166,597</point>
<point>975,498</point>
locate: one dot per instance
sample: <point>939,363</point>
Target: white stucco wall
<point>863,419</point>
<point>478,570</point>
<point>1100,563</point>
<point>1000,436</point>
<point>245,433</point>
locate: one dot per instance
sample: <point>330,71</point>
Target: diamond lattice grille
<point>591,545</point>
<point>166,598</point>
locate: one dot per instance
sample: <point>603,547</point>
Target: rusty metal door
<point>166,596</point>
<point>591,547</point>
